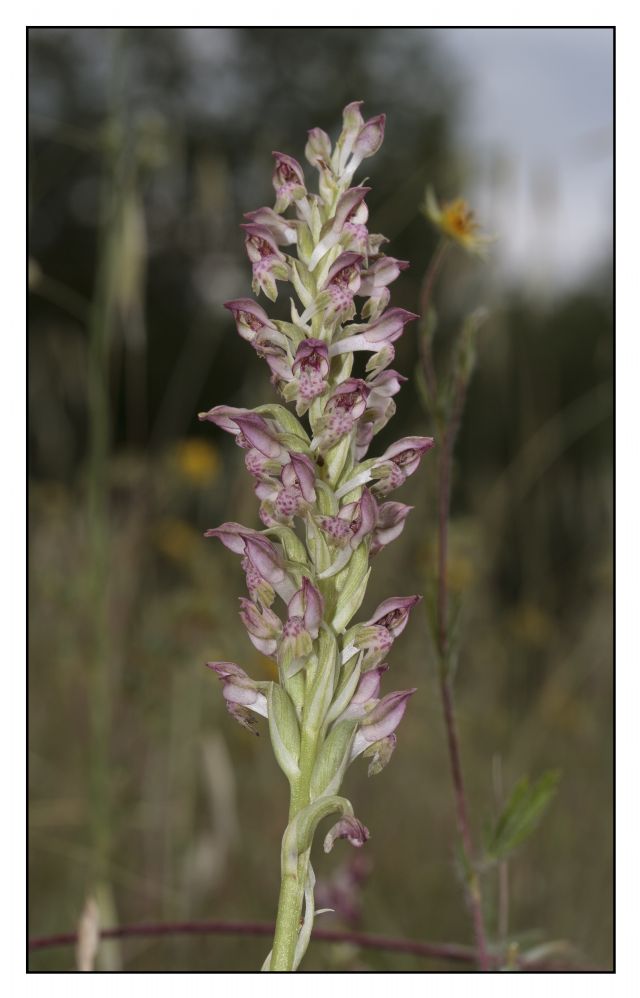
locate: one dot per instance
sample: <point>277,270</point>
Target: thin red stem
<point>449,433</point>
<point>424,343</point>
<point>437,951</point>
<point>446,690</point>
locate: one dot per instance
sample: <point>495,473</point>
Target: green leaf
<point>285,731</point>
<point>521,814</point>
<point>332,759</point>
<point>351,585</point>
<point>321,689</point>
<point>287,420</point>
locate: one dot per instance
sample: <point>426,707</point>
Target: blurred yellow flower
<point>197,461</point>
<point>176,539</point>
<point>530,624</point>
<point>456,220</point>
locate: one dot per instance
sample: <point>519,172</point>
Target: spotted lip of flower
<point>305,611</point>
<point>288,181</point>
<point>291,494</point>
<point>342,283</point>
<point>398,462</point>
<point>268,263</point>
<point>250,318</point>
<point>394,613</point>
<point>345,406</point>
<point>355,521</point>
<point>309,371</point>
<point>376,635</point>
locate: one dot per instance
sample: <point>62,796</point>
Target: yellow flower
<point>456,220</point>
<point>197,461</point>
<point>176,539</point>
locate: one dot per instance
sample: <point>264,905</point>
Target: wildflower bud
<point>283,230</point>
<point>240,692</point>
<point>375,335</point>
<point>366,694</point>
<point>348,206</point>
<point>250,429</point>
<point>264,627</point>
<point>352,122</point>
<point>347,828</point>
<point>370,138</point>
<point>318,148</point>
<point>380,273</point>
<point>367,143</point>
<point>382,721</point>
<point>262,563</point>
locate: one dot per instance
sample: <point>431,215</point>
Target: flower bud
<point>283,230</point>
<point>382,721</point>
<point>347,828</point>
<point>240,692</point>
<point>263,626</point>
<point>370,137</point>
<point>308,604</point>
<point>318,148</point>
<point>375,335</point>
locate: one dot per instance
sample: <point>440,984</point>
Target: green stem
<point>292,885</point>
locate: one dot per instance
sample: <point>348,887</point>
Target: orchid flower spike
<point>321,498</point>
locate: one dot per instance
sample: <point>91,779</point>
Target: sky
<point>537,126</point>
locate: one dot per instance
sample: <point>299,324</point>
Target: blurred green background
<point>146,146</point>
